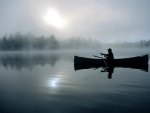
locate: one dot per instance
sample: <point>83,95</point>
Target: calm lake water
<point>46,82</point>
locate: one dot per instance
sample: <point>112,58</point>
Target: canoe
<point>139,62</point>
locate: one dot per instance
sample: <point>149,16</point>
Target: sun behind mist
<point>53,18</point>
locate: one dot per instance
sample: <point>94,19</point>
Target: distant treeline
<point>18,41</point>
<point>138,44</point>
<point>27,41</point>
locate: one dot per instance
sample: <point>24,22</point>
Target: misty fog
<point>18,42</point>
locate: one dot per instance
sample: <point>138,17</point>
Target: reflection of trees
<point>19,61</point>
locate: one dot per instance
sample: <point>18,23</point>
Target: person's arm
<point>103,54</point>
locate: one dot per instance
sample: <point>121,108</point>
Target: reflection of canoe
<point>139,62</point>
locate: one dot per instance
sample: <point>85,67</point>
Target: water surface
<point>47,83</point>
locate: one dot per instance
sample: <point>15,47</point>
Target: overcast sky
<point>105,20</point>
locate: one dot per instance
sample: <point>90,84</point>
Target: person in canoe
<point>109,64</point>
<point>109,57</point>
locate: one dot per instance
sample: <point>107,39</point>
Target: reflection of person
<point>110,70</point>
<point>109,57</point>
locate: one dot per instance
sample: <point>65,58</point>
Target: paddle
<point>101,58</point>
<point>97,56</point>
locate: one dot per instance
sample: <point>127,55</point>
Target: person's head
<point>109,50</point>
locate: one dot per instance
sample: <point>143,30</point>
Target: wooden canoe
<point>139,62</point>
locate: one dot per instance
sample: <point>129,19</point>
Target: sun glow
<point>53,82</point>
<point>53,18</point>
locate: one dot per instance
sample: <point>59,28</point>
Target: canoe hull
<point>139,62</point>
